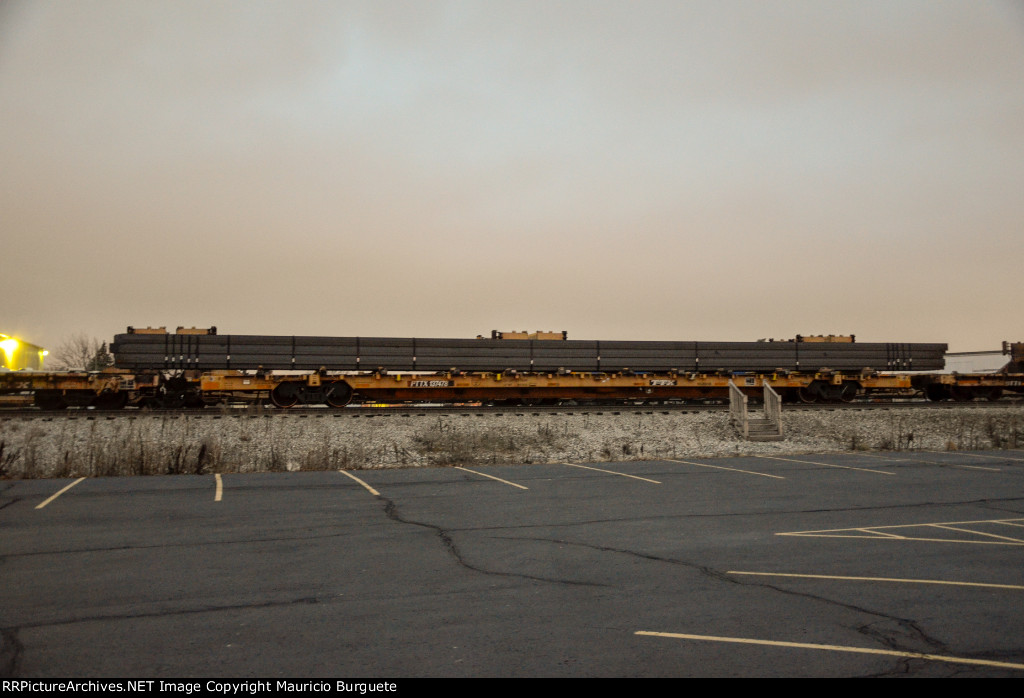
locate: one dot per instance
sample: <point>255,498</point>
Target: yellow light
<point>9,346</point>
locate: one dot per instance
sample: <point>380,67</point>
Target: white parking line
<point>59,493</point>
<point>220,488</point>
<point>932,462</point>
<point>722,467</point>
<point>827,465</point>
<point>977,455</point>
<point>611,472</point>
<point>459,467</point>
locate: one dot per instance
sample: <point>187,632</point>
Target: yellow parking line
<point>722,467</point>
<point>976,533</point>
<point>59,493</point>
<point>905,538</point>
<point>878,533</point>
<point>220,488</point>
<point>827,465</point>
<point>611,472</point>
<point>372,491</point>
<point>837,648</point>
<point>881,579</point>
<point>459,467</point>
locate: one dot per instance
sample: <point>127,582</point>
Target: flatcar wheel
<point>962,394</point>
<point>285,394</point>
<point>50,400</point>
<point>849,392</point>
<point>339,394</point>
<point>111,401</point>
<point>806,395</point>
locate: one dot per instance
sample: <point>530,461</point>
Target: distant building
<point>16,355</point>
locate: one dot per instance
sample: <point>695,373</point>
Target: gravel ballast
<point>230,441</point>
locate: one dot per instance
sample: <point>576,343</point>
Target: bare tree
<point>80,351</point>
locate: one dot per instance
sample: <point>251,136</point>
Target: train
<point>198,367</point>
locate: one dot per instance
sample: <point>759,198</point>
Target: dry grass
<point>253,442</point>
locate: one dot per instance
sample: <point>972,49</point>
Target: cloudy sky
<point>712,170</point>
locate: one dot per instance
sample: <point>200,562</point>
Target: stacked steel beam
<point>248,352</point>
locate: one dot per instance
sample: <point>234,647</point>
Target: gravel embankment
<point>153,444</point>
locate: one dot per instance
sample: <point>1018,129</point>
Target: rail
<point>738,410</point>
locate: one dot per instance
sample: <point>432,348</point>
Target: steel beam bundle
<point>275,353</point>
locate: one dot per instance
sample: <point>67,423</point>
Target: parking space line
<point>978,455</point>
<point>971,467</point>
<point>220,487</point>
<point>828,465</point>
<point>372,491</point>
<point>836,648</point>
<point>878,534</point>
<point>611,472</point>
<point>977,533</point>
<point>459,467</point>
<point>722,467</point>
<point>880,579</point>
<point>59,493</point>
<point>934,462</point>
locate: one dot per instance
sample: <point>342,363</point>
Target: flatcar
<point>195,367</point>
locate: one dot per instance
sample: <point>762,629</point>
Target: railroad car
<point>192,367</point>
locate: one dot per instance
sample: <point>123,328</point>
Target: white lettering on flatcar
<point>431,384</point>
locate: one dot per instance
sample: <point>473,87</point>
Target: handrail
<point>738,409</point>
<point>773,406</point>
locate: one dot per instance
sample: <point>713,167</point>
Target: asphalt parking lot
<point>868,564</point>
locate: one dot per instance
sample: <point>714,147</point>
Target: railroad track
<point>515,410</point>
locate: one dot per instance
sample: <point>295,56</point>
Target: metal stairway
<point>764,428</point>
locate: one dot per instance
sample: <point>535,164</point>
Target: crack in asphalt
<point>391,510</point>
<point>905,626</point>
<point>998,508</point>
<point>679,517</point>
<point>11,650</point>
<point>989,503</point>
<point>188,544</point>
<point>167,612</point>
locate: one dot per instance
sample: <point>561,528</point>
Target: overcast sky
<point>720,170</point>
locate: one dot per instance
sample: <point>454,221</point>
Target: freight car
<point>514,367</point>
<point>195,367</point>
